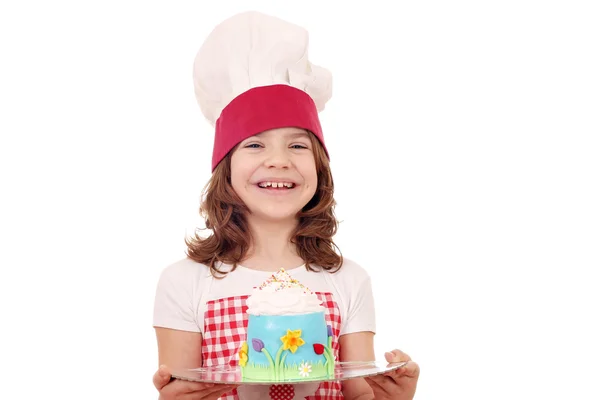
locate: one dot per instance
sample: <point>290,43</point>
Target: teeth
<point>276,184</point>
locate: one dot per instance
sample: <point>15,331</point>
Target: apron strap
<point>337,295</point>
<point>204,292</point>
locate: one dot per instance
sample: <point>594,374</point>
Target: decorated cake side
<point>287,337</point>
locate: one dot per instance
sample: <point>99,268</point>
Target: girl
<point>269,205</point>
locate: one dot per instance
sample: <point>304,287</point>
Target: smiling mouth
<point>276,185</point>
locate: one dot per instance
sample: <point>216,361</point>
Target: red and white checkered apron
<point>225,323</point>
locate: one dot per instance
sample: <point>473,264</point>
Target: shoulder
<point>351,267</point>
<point>351,272</point>
<point>178,295</point>
<point>184,271</point>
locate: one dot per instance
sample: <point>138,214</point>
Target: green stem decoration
<point>266,353</point>
<point>330,360</point>
<point>281,366</point>
<point>277,357</point>
<point>329,351</point>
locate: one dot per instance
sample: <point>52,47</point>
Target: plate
<point>232,374</point>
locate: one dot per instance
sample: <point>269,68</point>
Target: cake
<point>287,336</point>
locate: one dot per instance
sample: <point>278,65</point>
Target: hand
<point>399,384</point>
<point>184,390</point>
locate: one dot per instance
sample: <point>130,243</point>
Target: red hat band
<point>260,109</point>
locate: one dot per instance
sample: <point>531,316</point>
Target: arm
<point>179,349</point>
<point>178,331</point>
<point>178,336</point>
<point>357,347</point>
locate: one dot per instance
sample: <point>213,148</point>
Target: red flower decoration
<point>319,348</point>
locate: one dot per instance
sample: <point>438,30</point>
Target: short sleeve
<point>361,309</point>
<point>174,301</point>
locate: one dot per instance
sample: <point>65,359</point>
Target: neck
<point>271,248</point>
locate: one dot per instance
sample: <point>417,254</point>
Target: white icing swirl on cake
<point>282,295</point>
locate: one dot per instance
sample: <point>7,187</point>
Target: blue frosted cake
<point>287,336</point>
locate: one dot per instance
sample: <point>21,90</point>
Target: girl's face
<point>274,173</point>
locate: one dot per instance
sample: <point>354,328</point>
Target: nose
<point>277,158</point>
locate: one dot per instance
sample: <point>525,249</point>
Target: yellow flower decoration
<point>243,354</point>
<point>292,340</point>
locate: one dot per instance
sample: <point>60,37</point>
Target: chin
<point>275,215</point>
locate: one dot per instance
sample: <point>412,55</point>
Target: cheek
<point>312,181</point>
<point>240,174</point>
<point>310,176</point>
<point>239,181</point>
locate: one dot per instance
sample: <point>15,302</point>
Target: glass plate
<point>232,374</point>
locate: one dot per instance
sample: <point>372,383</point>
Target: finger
<point>161,377</point>
<point>381,384</point>
<point>198,387</point>
<point>375,387</point>
<point>185,389</point>
<point>396,356</point>
<point>410,371</point>
<point>218,390</point>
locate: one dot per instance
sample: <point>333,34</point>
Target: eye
<point>252,146</point>
<point>299,146</point>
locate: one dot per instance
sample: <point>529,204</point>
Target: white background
<point>465,151</point>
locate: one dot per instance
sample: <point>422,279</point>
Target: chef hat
<point>253,74</point>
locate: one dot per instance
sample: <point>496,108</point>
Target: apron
<point>225,323</point>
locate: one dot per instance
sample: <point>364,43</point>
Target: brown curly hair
<point>225,216</point>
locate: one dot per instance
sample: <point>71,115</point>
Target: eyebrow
<point>293,135</point>
<point>298,134</point>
